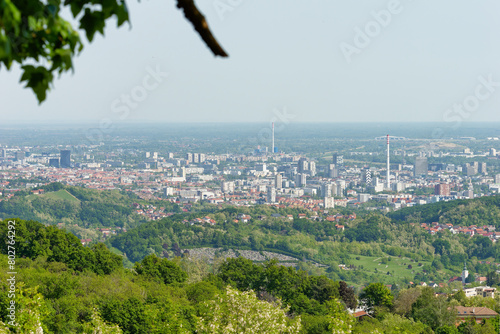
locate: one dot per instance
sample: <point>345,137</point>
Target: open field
<point>60,195</point>
<point>397,267</point>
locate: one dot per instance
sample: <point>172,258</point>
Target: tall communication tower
<point>388,176</point>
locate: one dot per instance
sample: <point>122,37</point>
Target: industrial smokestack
<point>388,176</point>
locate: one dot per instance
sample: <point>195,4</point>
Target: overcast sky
<point>321,61</point>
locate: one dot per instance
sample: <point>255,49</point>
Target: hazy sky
<point>330,60</point>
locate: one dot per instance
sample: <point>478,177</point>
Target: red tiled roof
<point>475,311</point>
<point>359,314</point>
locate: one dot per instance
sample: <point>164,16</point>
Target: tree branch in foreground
<point>201,26</point>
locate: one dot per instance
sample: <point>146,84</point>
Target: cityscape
<point>414,173</point>
<point>228,166</point>
<point>415,176</point>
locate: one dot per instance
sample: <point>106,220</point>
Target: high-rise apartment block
<point>329,202</point>
<point>312,168</point>
<point>482,168</point>
<point>168,191</point>
<point>337,159</point>
<point>65,160</point>
<point>326,189</point>
<point>442,189</point>
<point>333,172</point>
<point>301,180</point>
<point>278,181</point>
<point>19,156</point>
<point>303,165</point>
<point>366,176</point>
<point>339,187</point>
<point>421,166</point>
<point>54,162</point>
<point>271,195</point>
<point>227,187</point>
<point>470,169</point>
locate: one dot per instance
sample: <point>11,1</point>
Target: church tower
<point>465,273</point>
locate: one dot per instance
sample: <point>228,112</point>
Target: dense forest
<point>63,287</point>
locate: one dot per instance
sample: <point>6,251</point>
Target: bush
<point>166,270</point>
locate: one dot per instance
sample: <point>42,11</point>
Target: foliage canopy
<point>35,35</point>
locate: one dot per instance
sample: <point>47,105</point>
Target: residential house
<point>476,313</point>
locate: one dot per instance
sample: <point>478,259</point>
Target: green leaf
<point>5,47</point>
<point>38,79</point>
<point>75,6</point>
<point>92,22</point>
<point>122,14</point>
<point>11,17</point>
<point>64,55</point>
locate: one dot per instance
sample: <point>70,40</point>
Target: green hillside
<point>479,211</point>
<point>389,269</point>
<point>370,236</point>
<point>366,242</point>
<point>62,194</point>
<point>87,208</point>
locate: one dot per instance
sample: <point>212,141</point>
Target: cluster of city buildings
<point>272,178</point>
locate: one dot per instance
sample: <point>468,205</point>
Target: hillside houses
<point>472,230</point>
<point>151,212</point>
<point>338,217</point>
<point>244,218</point>
<point>106,232</point>
<point>201,221</point>
<point>85,241</point>
<point>483,291</point>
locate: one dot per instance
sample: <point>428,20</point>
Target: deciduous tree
<point>341,322</point>
<point>166,270</point>
<point>376,294</point>
<point>34,35</point>
<point>405,299</point>
<point>243,312</point>
<point>431,310</point>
